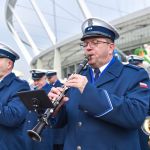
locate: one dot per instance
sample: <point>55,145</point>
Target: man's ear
<point>112,47</point>
<point>10,64</point>
<point>111,51</point>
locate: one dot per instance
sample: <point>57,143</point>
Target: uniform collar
<point>111,72</point>
<point>103,67</point>
<point>7,79</point>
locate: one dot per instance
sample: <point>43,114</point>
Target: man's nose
<point>88,47</point>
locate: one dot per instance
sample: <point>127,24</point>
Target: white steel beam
<point>31,42</point>
<point>51,35</point>
<point>57,62</point>
<point>20,44</point>
<point>85,11</point>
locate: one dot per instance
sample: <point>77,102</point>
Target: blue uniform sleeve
<point>127,110</point>
<point>92,103</point>
<point>13,112</point>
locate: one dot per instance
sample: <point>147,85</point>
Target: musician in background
<point>53,79</point>
<point>58,134</point>
<point>39,82</point>
<point>12,110</point>
<point>105,105</point>
<point>138,61</point>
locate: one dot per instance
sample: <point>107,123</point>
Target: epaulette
<point>133,66</point>
<point>20,80</point>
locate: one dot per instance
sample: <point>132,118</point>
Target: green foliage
<point>142,52</point>
<point>139,51</point>
<point>146,59</point>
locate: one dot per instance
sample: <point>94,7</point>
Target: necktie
<point>97,73</point>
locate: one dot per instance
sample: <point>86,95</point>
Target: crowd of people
<point>103,109</point>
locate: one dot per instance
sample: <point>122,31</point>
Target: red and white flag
<point>143,85</point>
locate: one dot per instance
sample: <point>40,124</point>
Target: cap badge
<point>90,22</point>
<point>90,28</point>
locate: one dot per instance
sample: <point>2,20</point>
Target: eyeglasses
<point>93,43</point>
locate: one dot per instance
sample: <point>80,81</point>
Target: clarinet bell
<point>34,135</point>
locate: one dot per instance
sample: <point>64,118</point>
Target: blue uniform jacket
<point>12,113</point>
<point>56,84</point>
<point>47,134</point>
<point>107,115</point>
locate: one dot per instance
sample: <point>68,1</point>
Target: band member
<point>53,79</point>
<point>58,134</point>
<point>39,82</point>
<point>105,105</point>
<point>135,60</point>
<point>138,61</point>
<point>12,110</point>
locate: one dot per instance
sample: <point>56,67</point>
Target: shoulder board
<point>133,66</point>
<point>21,80</point>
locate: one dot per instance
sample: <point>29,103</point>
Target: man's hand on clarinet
<point>77,81</point>
<point>54,94</point>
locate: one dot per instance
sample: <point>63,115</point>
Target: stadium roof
<point>63,18</point>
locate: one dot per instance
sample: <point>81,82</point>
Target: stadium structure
<point>48,32</point>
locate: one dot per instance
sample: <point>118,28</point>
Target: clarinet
<point>51,112</point>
